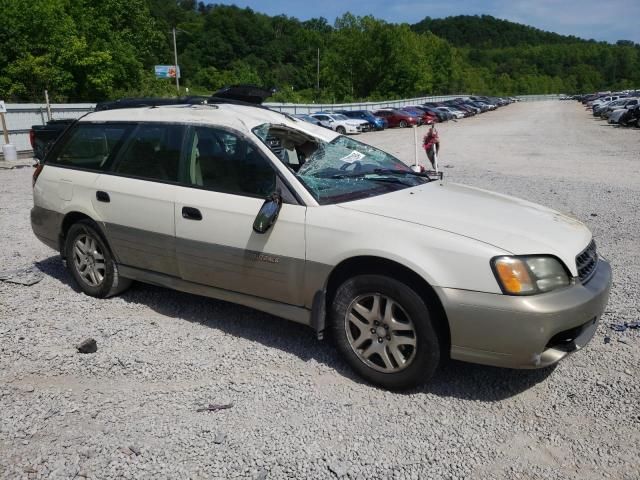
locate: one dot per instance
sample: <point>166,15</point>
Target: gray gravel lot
<point>129,410</point>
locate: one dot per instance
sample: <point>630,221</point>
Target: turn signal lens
<point>513,275</point>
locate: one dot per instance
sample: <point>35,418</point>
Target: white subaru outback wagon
<point>252,206</point>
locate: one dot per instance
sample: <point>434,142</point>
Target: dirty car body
<point>325,231</point>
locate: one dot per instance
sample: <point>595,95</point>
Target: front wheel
<point>341,130</point>
<point>383,329</point>
<point>402,124</point>
<point>91,262</point>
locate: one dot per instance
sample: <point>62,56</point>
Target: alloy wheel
<point>381,333</point>
<point>88,260</point>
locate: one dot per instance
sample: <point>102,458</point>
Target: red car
<point>425,117</point>
<point>397,118</point>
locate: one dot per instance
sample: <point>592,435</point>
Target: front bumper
<point>525,332</point>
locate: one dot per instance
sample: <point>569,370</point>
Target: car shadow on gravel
<point>453,379</point>
<point>467,381</point>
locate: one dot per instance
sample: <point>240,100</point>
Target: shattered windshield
<point>337,171</point>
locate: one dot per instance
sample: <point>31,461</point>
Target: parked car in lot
<point>397,118</point>
<point>375,123</point>
<point>424,118</point>
<point>630,117</point>
<point>610,107</point>
<point>456,113</point>
<point>308,118</point>
<point>620,104</point>
<point>340,123</point>
<point>467,109</point>
<point>605,99</point>
<point>328,232</point>
<point>441,116</point>
<point>429,116</point>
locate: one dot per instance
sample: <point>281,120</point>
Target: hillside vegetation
<point>81,50</point>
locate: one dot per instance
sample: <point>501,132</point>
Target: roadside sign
<point>3,108</point>
<point>167,71</point>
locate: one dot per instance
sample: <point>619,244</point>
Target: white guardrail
<point>21,116</point>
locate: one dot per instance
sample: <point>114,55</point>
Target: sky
<point>608,20</point>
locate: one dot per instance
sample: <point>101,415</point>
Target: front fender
<point>441,258</point>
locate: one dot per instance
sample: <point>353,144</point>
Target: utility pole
<point>175,57</point>
<point>318,72</point>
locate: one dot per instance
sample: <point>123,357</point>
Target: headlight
<point>529,275</point>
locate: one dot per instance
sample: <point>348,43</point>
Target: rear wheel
<point>383,328</point>
<point>341,130</point>
<point>91,262</point>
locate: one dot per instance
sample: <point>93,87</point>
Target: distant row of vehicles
<point>359,121</point>
<point>621,108</point>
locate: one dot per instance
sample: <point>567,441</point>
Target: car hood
<point>355,122</point>
<point>511,224</point>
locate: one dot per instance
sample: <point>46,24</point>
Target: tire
<point>341,130</point>
<point>91,262</point>
<point>402,124</point>
<point>407,342</point>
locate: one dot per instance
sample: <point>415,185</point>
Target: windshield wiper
<point>377,171</point>
<point>373,176</point>
<point>395,171</point>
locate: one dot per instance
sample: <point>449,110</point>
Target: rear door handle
<point>102,196</point>
<point>191,213</point>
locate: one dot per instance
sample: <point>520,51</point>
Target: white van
<point>402,268</point>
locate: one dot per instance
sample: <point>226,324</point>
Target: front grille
<point>586,262</point>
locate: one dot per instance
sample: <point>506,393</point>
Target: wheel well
<point>67,222</point>
<point>382,266</point>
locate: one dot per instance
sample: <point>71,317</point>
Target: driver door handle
<point>191,213</point>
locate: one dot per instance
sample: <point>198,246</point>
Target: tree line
<point>82,50</point>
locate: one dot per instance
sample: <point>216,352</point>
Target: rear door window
<point>152,152</point>
<point>90,146</point>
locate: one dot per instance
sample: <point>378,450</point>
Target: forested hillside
<point>510,58</point>
<point>485,31</point>
<point>81,50</point>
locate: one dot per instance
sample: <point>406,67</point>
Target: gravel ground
<point>129,410</point>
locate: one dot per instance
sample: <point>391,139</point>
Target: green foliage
<point>77,49</point>
<point>485,31</point>
<point>91,51</point>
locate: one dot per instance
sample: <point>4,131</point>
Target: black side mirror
<point>268,213</point>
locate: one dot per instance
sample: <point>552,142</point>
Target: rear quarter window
<point>89,146</point>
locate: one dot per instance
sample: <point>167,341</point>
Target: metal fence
<point>539,98</point>
<point>20,117</point>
